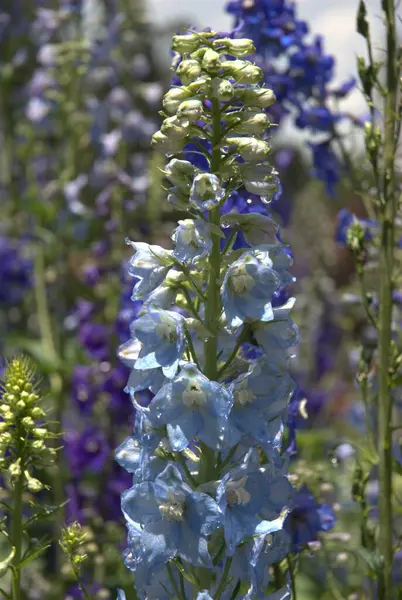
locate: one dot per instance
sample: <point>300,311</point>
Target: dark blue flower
<point>307,518</point>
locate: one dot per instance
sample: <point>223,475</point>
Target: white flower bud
<point>222,89</point>
<point>173,127</point>
<point>174,97</point>
<point>28,422</point>
<point>188,71</point>
<point>190,109</point>
<point>258,97</point>
<point>249,148</point>
<point>250,122</point>
<point>15,469</point>
<point>185,44</point>
<point>33,484</point>
<point>243,71</point>
<point>241,47</point>
<point>211,61</point>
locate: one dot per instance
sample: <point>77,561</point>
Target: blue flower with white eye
<point>150,264</point>
<point>162,335</point>
<point>192,240</point>
<point>251,500</point>
<point>206,191</point>
<point>135,459</point>
<point>191,406</point>
<point>175,519</point>
<point>259,397</point>
<point>248,286</point>
<point>279,334</point>
<point>147,379</point>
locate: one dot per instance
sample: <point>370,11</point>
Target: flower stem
<point>387,250</point>
<point>80,583</point>
<point>16,536</point>
<point>212,304</point>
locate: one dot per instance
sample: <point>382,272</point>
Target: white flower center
<point>173,510</point>
<point>236,493</point>
<point>193,395</point>
<point>243,397</point>
<point>241,281</point>
<point>166,330</point>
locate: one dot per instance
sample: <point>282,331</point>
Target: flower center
<point>236,493</point>
<point>241,281</point>
<point>166,330</point>
<point>174,508</point>
<point>243,397</point>
<point>193,395</point>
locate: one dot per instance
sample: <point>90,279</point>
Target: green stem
<point>213,304</point>
<point>387,249</point>
<point>224,579</point>
<point>279,576</point>
<point>79,580</point>
<point>292,576</point>
<point>16,535</point>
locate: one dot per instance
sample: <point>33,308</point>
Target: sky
<point>333,19</point>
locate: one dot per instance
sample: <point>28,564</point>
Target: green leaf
<point>34,554</point>
<point>362,24</point>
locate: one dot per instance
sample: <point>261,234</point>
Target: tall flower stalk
<point>205,514</point>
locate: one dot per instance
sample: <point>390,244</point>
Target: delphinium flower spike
<point>24,451</point>
<point>210,490</point>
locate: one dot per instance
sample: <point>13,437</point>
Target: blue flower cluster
<point>210,490</point>
<point>300,79</point>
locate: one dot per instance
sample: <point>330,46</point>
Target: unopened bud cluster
<point>211,70</point>
<point>73,540</point>
<point>23,434</point>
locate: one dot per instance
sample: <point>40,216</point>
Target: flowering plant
<point>210,491</point>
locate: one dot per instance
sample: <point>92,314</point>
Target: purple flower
<point>307,519</point>
<point>86,451</point>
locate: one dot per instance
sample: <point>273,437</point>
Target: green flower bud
<point>40,433</point>
<point>239,48</point>
<point>174,97</point>
<point>38,445</point>
<point>3,427</point>
<point>258,97</point>
<point>173,127</point>
<point>250,122</point>
<point>37,412</point>
<point>28,422</point>
<point>185,44</point>
<point>5,439</point>
<point>15,469</point>
<point>222,89</point>
<point>33,484</point>
<point>249,148</point>
<point>188,71</point>
<point>191,110</point>
<point>180,173</point>
<point>20,405</point>
<point>211,61</point>
<point>243,71</point>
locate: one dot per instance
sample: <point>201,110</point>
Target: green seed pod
<point>258,97</point>
<point>211,61</point>
<point>243,71</point>
<point>189,70</point>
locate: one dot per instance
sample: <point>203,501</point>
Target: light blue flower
<point>175,519</point>
<point>279,334</point>
<point>121,595</point>
<point>192,240</point>
<point>150,264</point>
<point>148,379</point>
<point>248,286</point>
<point>206,191</point>
<point>192,406</point>
<point>251,500</point>
<point>259,398</point>
<point>161,333</point>
<point>204,595</point>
